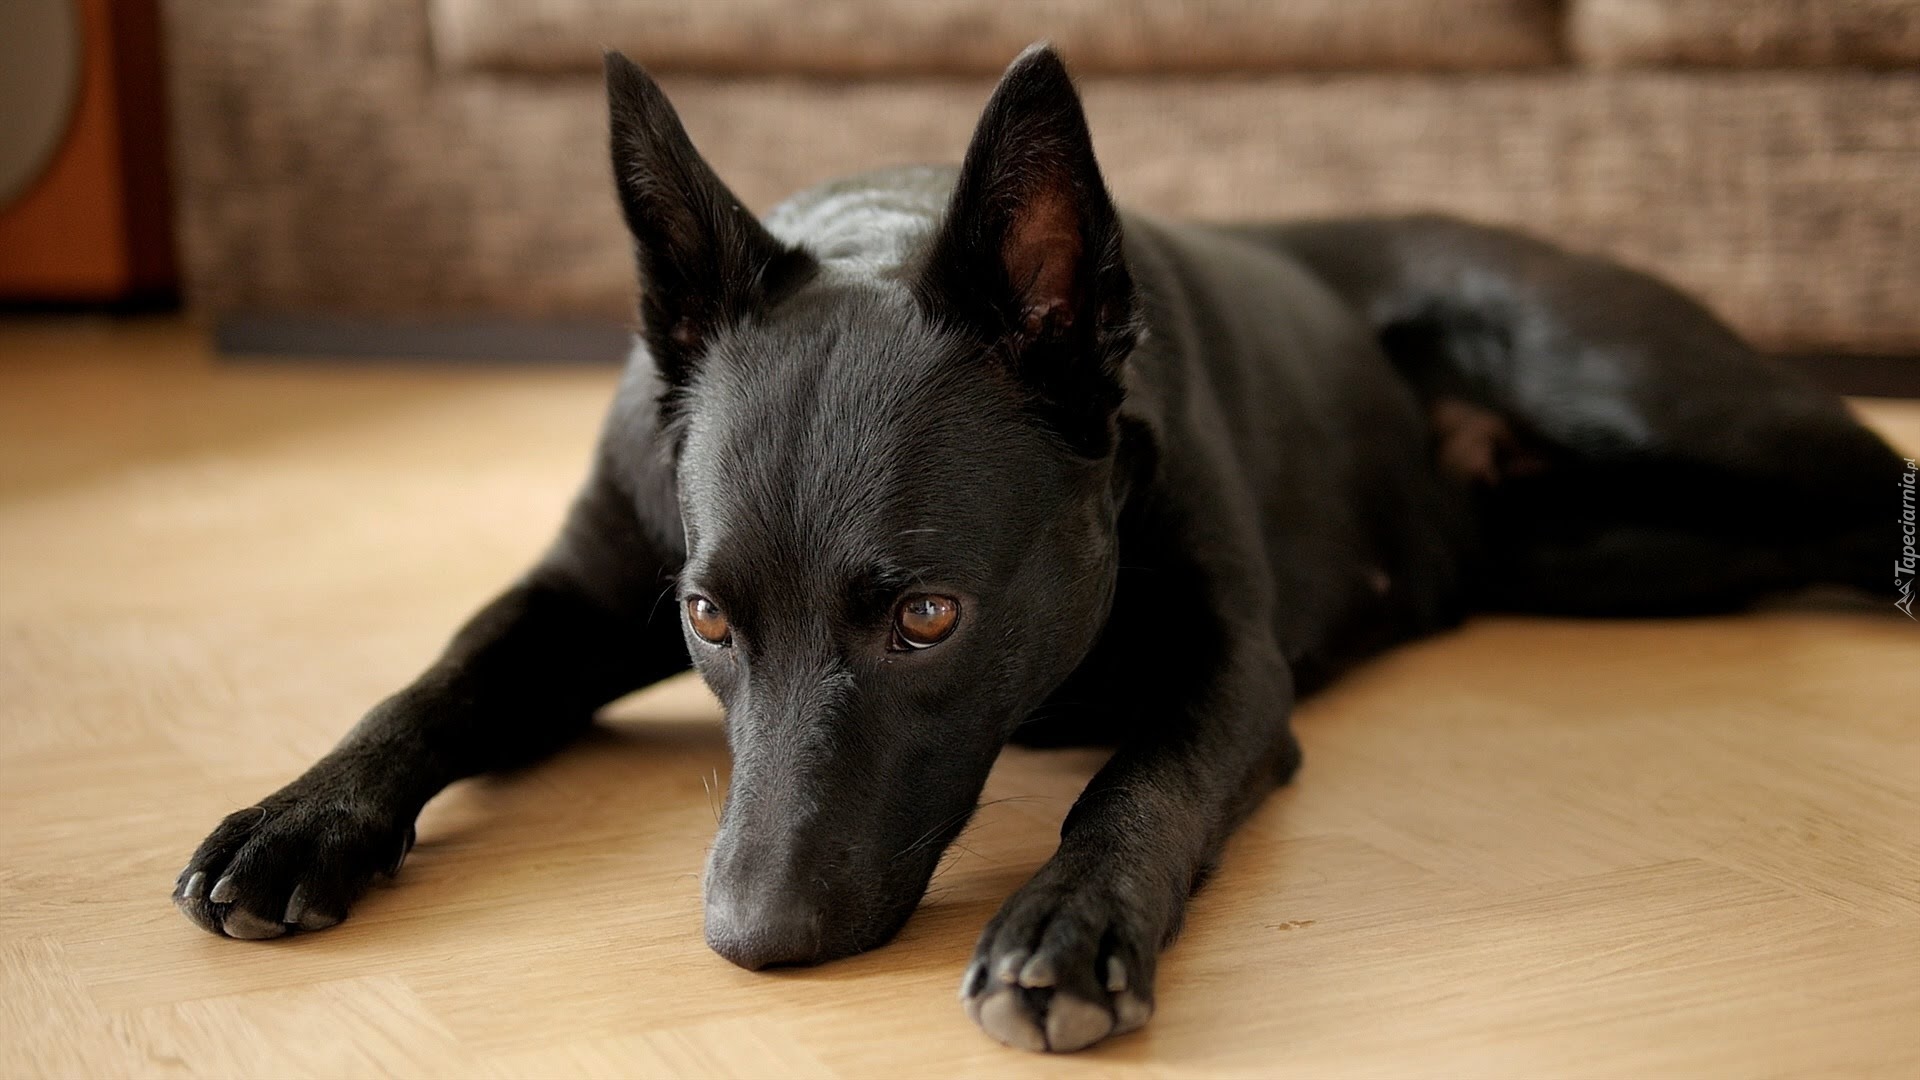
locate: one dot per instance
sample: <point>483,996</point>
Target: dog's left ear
<point>1030,251</point>
<point>705,260</point>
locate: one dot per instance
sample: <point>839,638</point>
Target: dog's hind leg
<point>523,677</point>
<point>1650,570</point>
<point>1631,454</point>
<point>1669,537</point>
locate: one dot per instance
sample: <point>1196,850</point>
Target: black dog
<point>934,460</point>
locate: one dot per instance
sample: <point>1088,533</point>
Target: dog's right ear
<point>1029,256</point>
<point>705,261</point>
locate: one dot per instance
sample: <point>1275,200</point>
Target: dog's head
<point>899,491</point>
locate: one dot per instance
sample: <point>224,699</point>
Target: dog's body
<point>941,459</point>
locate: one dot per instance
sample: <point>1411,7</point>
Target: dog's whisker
<point>927,837</point>
<point>713,797</point>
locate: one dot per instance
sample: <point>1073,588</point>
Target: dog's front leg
<point>1070,958</point>
<point>520,679</point>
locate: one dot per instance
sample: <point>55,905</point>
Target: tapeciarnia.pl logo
<point>1903,567</point>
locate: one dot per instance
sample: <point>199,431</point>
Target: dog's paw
<point>295,862</point>
<point>1060,968</point>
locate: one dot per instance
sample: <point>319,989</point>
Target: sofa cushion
<point>1760,33</point>
<point>1787,200</point>
<point>872,37</point>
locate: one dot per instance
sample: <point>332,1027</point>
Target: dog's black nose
<point>762,932</point>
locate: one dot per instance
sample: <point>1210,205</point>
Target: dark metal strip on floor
<point>465,339</point>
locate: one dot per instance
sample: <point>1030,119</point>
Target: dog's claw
<point>302,913</point>
<point>196,886</point>
<point>223,890</point>
<point>296,905</point>
<point>1116,975</point>
<point>1008,969</point>
<point>1038,972</point>
<point>974,981</point>
<point>406,849</point>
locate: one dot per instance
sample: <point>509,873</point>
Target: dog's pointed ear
<point>1030,251</point>
<point>705,260</point>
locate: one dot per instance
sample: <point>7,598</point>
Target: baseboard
<point>465,339</point>
<point>1861,375</point>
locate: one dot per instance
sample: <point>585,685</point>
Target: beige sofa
<point>368,157</point>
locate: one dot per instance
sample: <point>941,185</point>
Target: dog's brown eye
<point>708,621</point>
<point>925,620</point>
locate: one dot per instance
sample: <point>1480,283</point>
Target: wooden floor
<point>1531,848</point>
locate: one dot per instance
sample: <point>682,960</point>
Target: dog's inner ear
<point>705,261</point>
<point>1043,253</point>
<point>1030,251</point>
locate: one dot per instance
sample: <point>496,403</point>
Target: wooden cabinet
<point>87,219</point>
